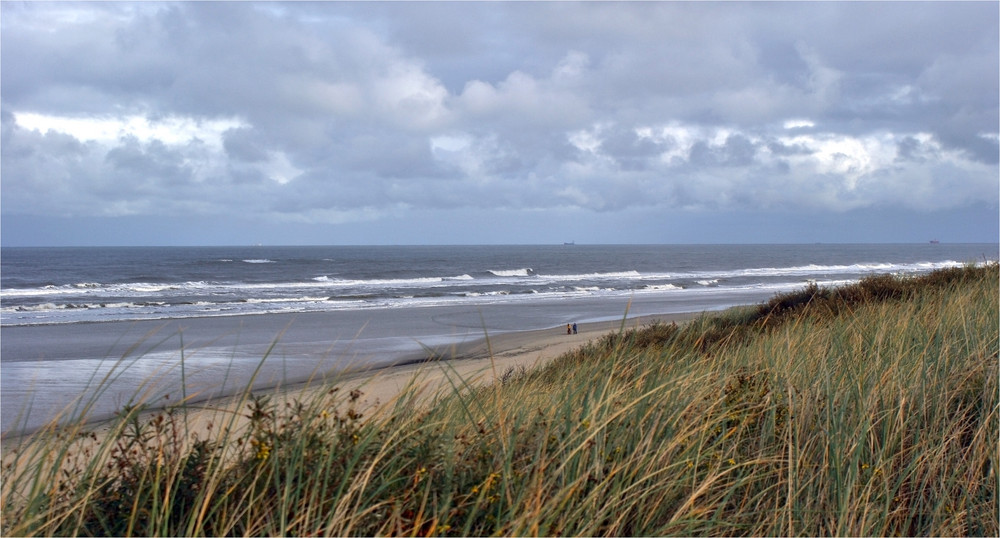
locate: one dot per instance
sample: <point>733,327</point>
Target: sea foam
<point>526,271</point>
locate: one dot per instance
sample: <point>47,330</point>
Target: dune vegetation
<point>868,409</point>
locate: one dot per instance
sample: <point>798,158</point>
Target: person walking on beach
<point>574,328</point>
<point>569,330</point>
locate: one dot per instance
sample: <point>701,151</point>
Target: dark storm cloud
<point>338,112</point>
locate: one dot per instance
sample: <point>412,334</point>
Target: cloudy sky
<point>398,123</point>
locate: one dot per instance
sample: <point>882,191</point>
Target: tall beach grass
<point>870,409</point>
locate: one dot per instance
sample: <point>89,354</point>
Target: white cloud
<point>407,95</point>
<point>798,124</point>
<point>847,157</point>
<point>571,68</point>
<point>725,167</point>
<point>534,102</point>
<point>586,140</point>
<point>451,142</point>
<point>171,130</point>
<point>280,169</point>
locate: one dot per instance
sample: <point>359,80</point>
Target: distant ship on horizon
<point>935,242</point>
<point>570,243</point>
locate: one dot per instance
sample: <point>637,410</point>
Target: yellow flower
<point>487,484</point>
<point>419,475</point>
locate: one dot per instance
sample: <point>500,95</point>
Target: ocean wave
<point>325,280</point>
<point>129,288</point>
<point>596,276</point>
<point>41,307</point>
<point>89,301</point>
<point>662,287</point>
<point>377,282</point>
<point>258,260</point>
<point>586,288</point>
<point>714,277</point>
<point>154,288</point>
<point>856,268</point>
<point>703,278</point>
<point>497,293</point>
<point>526,271</point>
<point>262,300</point>
<point>33,292</point>
<point>47,307</point>
<point>49,290</point>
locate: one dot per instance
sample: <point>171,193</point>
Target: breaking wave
<point>249,292</point>
<point>512,272</point>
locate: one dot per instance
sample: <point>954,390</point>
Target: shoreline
<point>476,362</point>
<point>530,349</point>
<point>47,369</point>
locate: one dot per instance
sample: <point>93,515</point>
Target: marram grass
<point>865,410</point>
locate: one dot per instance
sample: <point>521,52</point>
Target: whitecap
<point>662,287</point>
<point>498,293</point>
<point>33,308</point>
<point>589,276</point>
<point>526,271</point>
<point>586,288</point>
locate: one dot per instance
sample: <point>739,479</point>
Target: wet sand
<point>54,370</point>
<point>481,362</point>
<point>474,363</point>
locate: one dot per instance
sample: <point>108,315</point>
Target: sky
<point>238,123</point>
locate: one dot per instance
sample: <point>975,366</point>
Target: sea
<point>70,316</point>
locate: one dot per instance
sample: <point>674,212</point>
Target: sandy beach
<point>475,363</point>
<point>480,362</point>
